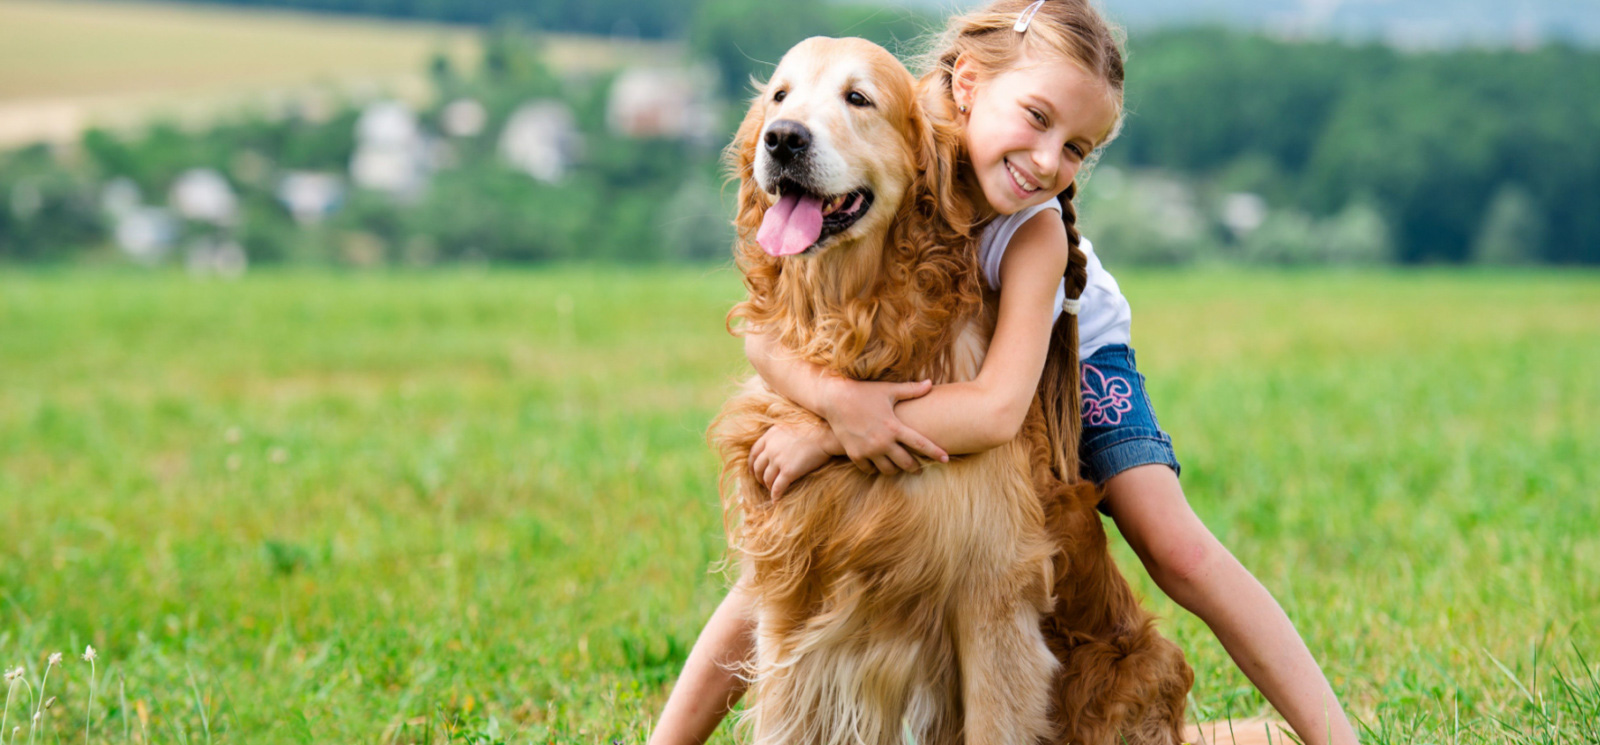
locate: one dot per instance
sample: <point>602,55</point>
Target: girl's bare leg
<point>1198,572</point>
<point>708,686</point>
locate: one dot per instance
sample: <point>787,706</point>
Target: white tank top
<point>1104,317</point>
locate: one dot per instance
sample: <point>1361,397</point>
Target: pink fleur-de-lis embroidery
<point>1105,399</point>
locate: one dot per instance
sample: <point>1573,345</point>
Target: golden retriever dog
<point>921,606</point>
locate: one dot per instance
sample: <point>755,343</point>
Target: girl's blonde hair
<point>1062,29</point>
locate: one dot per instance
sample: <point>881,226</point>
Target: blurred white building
<point>672,103</point>
<point>311,196</point>
<point>391,153</point>
<point>463,117</point>
<point>1243,212</point>
<point>203,195</point>
<point>541,139</point>
<point>145,234</point>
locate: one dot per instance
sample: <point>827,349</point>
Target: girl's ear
<point>964,81</point>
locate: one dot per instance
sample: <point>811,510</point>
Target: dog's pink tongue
<point>791,225</point>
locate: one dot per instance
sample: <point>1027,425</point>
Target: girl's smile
<point>1025,186</point>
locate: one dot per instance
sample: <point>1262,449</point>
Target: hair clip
<point>1027,17</point>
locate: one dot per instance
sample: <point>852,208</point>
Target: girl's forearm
<point>962,418</point>
<point>795,379</point>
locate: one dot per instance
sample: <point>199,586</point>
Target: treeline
<point>1459,150</point>
<point>1345,153</point>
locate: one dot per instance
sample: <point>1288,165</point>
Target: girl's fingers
<point>904,391</point>
<point>914,440</point>
<point>755,454</point>
<point>885,466</point>
<point>779,484</point>
<point>903,459</point>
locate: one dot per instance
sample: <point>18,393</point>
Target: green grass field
<point>389,508</point>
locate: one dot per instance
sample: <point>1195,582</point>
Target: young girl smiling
<point>1036,90</point>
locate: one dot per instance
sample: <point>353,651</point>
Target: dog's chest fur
<point>864,318</point>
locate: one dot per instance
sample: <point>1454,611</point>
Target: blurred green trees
<point>1428,138</point>
<point>1237,148</point>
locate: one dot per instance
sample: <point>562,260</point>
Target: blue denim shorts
<point>1119,425</point>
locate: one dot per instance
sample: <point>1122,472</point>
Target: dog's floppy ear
<point>740,159</point>
<point>760,270</point>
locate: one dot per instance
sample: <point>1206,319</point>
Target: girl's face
<point>1030,127</point>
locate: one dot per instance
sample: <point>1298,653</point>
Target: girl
<point>1036,89</point>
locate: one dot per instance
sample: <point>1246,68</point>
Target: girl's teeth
<point>1017,177</point>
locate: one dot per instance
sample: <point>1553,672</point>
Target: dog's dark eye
<point>779,96</point>
<point>856,99</point>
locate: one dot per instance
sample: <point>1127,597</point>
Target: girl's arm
<point>988,411</point>
<point>961,417</point>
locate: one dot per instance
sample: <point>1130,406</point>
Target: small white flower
<point>55,659</point>
<point>36,716</point>
<point>49,702</point>
<point>13,674</point>
<point>88,654</point>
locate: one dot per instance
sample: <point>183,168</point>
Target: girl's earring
<point>962,108</point>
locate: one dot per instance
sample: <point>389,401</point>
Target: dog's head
<point>829,147</point>
<point>854,238</point>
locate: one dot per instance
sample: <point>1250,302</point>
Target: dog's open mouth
<point>801,220</point>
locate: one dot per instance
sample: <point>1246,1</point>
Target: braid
<point>1058,386</point>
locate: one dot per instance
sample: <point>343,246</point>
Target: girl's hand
<point>861,414</point>
<point>787,452</point>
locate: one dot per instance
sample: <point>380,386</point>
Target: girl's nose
<point>1046,163</point>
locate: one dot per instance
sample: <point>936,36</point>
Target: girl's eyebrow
<point>1035,100</point>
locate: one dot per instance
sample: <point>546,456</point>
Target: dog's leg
<point>1125,690</point>
<point>1006,671</point>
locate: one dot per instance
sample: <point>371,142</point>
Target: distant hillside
<point>651,19</point>
<point>1406,23</point>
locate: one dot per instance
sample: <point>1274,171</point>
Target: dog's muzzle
<point>786,141</point>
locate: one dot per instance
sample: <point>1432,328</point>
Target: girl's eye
<point>1075,150</point>
<point>779,96</point>
<point>856,99</point>
<point>1038,117</point>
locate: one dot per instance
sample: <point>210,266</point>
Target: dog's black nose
<point>786,140</point>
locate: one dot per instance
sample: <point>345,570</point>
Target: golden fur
<point>913,605</point>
